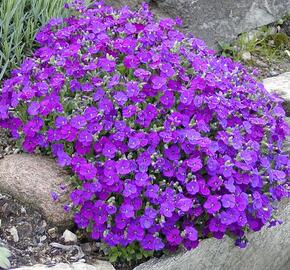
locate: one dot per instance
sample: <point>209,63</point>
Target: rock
<point>120,3</point>
<point>14,233</point>
<point>99,265</point>
<point>267,250</point>
<point>286,27</point>
<point>246,56</point>
<point>252,35</point>
<point>52,232</point>
<point>69,237</point>
<point>30,179</point>
<point>259,63</point>
<point>280,85</point>
<point>215,21</point>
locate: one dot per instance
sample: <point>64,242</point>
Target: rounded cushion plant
<point>169,143</point>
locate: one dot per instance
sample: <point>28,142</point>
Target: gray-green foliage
<point>4,255</point>
<point>19,21</point>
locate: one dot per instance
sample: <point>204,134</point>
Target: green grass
<point>19,22</point>
<point>264,43</point>
<point>267,46</point>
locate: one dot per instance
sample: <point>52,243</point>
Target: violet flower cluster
<point>170,143</point>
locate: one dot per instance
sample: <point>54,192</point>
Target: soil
<point>7,144</point>
<point>31,240</point>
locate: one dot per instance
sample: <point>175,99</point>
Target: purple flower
<point>148,242</point>
<point>191,233</point>
<point>32,110</point>
<point>212,204</point>
<point>142,179</point>
<point>192,187</point>
<point>131,61</point>
<point>123,167</point>
<point>54,196</point>
<point>249,156</point>
<point>68,133</point>
<point>88,171</point>
<point>78,122</point>
<point>146,222</point>
<point>172,153</point>
<point>63,159</point>
<point>167,69</point>
<point>127,210</point>
<point>228,200</point>
<point>85,138</point>
<point>60,121</point>
<point>195,164</point>
<point>109,150</point>
<point>173,237</point>
<point>215,183</point>
<point>167,99</point>
<point>120,98</point>
<point>186,97</point>
<point>242,201</point>
<point>167,209</point>
<point>184,204</point>
<point>134,142</point>
<point>158,82</point>
<point>229,216</point>
<point>106,64</point>
<point>135,232</point>
<point>152,191</point>
<point>130,190</point>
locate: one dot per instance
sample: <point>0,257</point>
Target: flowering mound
<point>170,143</point>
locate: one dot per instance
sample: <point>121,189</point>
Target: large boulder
<point>281,86</point>
<point>31,179</point>
<point>267,250</point>
<point>120,3</point>
<point>213,20</point>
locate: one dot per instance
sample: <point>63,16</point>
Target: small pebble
<point>42,238</point>
<point>14,233</point>
<point>274,73</point>
<point>69,237</point>
<point>52,232</point>
<point>23,210</point>
<point>246,56</point>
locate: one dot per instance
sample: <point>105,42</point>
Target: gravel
<point>32,240</point>
<point>7,144</point>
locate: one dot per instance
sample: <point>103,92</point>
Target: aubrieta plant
<point>169,143</point>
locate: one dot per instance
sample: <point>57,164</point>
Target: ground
<point>31,240</point>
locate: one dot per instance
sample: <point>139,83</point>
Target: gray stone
<point>99,265</point>
<point>120,3</point>
<point>69,237</point>
<point>267,250</point>
<point>280,85</point>
<point>30,179</point>
<point>14,233</point>
<point>216,21</point>
<point>246,56</point>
